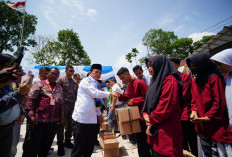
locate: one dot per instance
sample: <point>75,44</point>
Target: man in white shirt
<point>87,112</point>
<point>115,103</point>
<point>139,74</point>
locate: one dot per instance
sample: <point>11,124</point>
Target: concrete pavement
<point>97,151</point>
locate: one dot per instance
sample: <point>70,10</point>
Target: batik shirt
<point>45,103</point>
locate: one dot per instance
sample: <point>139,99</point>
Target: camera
<point>19,56</point>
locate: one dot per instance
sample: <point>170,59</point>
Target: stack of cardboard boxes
<point>105,124</point>
<point>108,141</point>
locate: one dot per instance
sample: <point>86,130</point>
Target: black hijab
<point>204,68</point>
<point>162,67</point>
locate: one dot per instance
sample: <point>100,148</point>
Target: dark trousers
<point>97,132</point>
<point>190,137</point>
<point>144,149</point>
<point>6,136</point>
<point>84,139</point>
<point>66,125</point>
<point>38,139</point>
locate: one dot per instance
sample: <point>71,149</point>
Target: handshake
<point>115,94</point>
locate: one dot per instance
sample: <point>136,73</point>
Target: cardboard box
<point>109,143</point>
<point>111,152</point>
<point>106,135</point>
<point>128,120</point>
<point>105,126</point>
<point>132,127</point>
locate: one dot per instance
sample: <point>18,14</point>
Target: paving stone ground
<point>97,151</point>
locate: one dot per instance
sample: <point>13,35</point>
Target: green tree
<point>129,58</point>
<point>142,61</point>
<point>10,28</point>
<point>134,53</point>
<point>182,48</point>
<point>48,55</point>
<point>168,44</point>
<point>159,41</point>
<point>199,43</point>
<point>67,50</point>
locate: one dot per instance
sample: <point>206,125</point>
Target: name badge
<point>52,102</point>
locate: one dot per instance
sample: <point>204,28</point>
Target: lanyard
<point>52,90</point>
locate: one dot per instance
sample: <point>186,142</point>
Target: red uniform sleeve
<point>142,89</point>
<point>193,101</point>
<point>124,97</point>
<point>128,94</point>
<point>187,96</point>
<point>169,98</point>
<point>218,94</point>
<point>187,87</point>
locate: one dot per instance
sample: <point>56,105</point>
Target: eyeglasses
<point>55,74</point>
<point>71,71</point>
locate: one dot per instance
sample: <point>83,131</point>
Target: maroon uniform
<point>209,101</point>
<point>136,90</point>
<point>167,118</point>
<point>187,96</point>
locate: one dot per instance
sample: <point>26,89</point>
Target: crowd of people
<point>178,111</point>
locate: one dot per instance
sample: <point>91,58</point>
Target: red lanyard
<point>52,90</point>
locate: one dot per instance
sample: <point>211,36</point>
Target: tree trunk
<point>148,52</point>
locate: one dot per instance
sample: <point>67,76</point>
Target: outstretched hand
<point>115,94</point>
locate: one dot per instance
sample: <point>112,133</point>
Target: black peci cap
<point>96,66</point>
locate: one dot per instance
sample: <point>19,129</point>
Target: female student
<point>162,109</point>
<point>223,60</point>
<point>209,110</point>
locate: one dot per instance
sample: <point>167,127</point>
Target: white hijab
<point>225,57</point>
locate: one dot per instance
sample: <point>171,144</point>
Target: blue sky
<point>108,29</point>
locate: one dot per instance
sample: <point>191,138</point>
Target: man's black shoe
<point>61,151</point>
<point>68,144</point>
